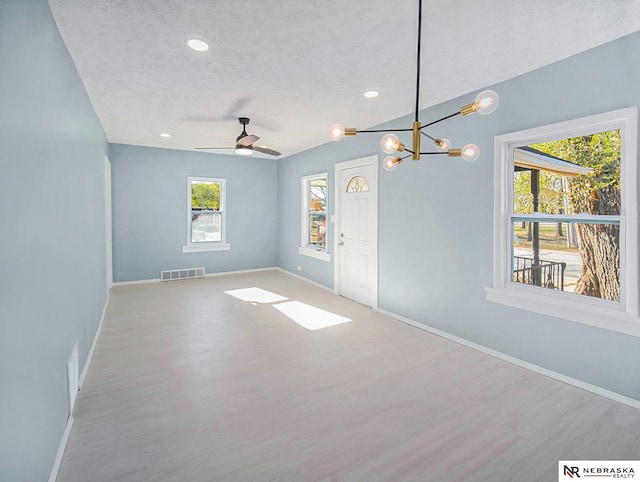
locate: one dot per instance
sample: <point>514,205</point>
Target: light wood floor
<point>188,383</point>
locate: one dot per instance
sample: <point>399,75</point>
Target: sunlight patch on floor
<point>257,295</point>
<point>308,316</point>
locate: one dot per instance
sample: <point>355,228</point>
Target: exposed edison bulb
<point>389,143</point>
<point>470,152</point>
<point>391,162</point>
<point>486,102</point>
<point>336,131</point>
<point>443,145</point>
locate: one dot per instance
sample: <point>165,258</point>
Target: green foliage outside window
<point>595,193</point>
<point>205,195</point>
<point>601,152</point>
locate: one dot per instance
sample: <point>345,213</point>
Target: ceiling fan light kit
<point>244,150</point>
<point>485,103</point>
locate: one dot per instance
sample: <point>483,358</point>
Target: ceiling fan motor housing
<point>244,121</point>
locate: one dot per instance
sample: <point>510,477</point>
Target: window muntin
<point>621,316</point>
<point>205,217</point>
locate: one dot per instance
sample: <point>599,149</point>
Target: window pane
<point>553,195</point>
<point>569,176</point>
<point>318,229</point>
<point>205,226</point>
<point>205,195</point>
<point>317,195</point>
<point>572,257</point>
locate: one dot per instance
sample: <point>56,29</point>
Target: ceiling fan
<point>245,143</point>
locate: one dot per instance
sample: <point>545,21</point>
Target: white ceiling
<point>297,66</point>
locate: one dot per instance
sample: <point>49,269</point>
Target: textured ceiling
<point>295,67</point>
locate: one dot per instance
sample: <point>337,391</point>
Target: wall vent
<point>181,274</point>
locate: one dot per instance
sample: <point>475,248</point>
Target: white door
<point>357,230</point>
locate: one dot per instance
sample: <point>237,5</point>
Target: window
<point>566,221</point>
<point>205,215</point>
<point>314,217</point>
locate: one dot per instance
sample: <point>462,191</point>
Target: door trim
<point>364,161</point>
<point>108,225</point>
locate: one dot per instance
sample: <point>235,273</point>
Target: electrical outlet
<point>299,268</point>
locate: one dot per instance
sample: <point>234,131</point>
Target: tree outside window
<point>565,220</point>
<point>595,193</point>
<point>206,210</point>
<point>314,211</point>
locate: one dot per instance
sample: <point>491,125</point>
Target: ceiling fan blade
<point>266,150</point>
<point>236,107</point>
<point>213,148</point>
<point>247,140</point>
<point>200,118</point>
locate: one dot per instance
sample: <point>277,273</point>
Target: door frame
<point>108,226</point>
<point>341,166</point>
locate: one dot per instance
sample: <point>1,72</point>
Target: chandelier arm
<point>432,153</point>
<point>440,120</point>
<point>418,60</point>
<point>427,135</point>
<point>385,130</point>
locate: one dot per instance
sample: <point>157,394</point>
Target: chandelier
<point>485,103</point>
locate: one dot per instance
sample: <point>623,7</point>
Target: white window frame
<point>619,316</point>
<point>305,248</point>
<point>221,245</point>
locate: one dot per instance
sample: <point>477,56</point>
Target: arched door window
<point>357,184</point>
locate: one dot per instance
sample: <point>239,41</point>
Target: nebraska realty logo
<point>612,469</point>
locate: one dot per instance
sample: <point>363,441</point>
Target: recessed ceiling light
<point>370,94</point>
<point>164,134</point>
<point>198,45</point>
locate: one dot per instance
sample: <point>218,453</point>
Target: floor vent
<point>181,274</point>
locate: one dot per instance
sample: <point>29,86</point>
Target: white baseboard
<point>87,362</point>
<point>137,282</point>
<point>60,453</point>
<point>304,279</point>
<point>521,363</point>
<point>67,429</point>
<point>242,271</point>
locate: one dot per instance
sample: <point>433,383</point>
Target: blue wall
<point>436,220</point>
<point>150,209</point>
<point>52,248</point>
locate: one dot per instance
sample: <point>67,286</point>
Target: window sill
<point>195,248</point>
<point>585,312</point>
<point>314,253</point>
